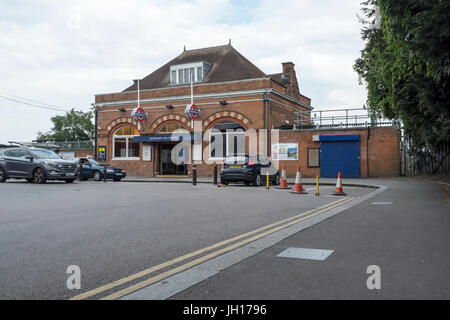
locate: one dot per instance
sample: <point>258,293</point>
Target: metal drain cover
<point>382,203</point>
<point>308,254</point>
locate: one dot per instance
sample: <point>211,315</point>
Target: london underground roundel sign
<point>192,112</point>
<point>139,114</point>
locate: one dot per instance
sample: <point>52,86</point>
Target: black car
<point>35,165</point>
<point>92,169</point>
<point>248,169</point>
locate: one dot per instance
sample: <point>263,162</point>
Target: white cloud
<point>65,52</point>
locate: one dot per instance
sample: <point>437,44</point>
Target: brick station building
<point>231,93</point>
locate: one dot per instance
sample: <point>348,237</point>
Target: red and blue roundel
<point>139,114</point>
<point>192,112</point>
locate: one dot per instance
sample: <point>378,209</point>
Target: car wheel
<point>39,176</point>
<point>2,175</point>
<point>276,181</point>
<point>97,176</point>
<point>257,181</point>
<point>70,181</point>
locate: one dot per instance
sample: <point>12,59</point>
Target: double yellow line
<point>277,226</point>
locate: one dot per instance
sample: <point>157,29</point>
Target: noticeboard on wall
<point>147,152</point>
<point>285,151</point>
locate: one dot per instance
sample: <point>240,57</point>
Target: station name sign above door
<point>192,112</point>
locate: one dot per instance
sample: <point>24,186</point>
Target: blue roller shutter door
<point>339,153</point>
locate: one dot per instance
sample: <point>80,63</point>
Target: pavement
<point>404,230</point>
<point>175,241</point>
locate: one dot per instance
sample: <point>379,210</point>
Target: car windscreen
<point>93,162</point>
<point>45,154</point>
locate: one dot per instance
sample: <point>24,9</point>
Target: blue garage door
<point>339,153</point>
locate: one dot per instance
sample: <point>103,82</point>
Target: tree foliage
<point>406,67</point>
<point>73,126</point>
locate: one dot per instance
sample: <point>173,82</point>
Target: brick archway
<point>117,122</point>
<point>226,115</point>
<point>157,124</point>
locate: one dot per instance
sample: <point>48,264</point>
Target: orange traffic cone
<point>298,188</point>
<point>339,189</point>
<point>283,181</point>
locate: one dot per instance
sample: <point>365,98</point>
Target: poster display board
<point>285,151</point>
<point>147,152</point>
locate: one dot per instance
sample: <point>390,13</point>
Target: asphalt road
<point>405,231</point>
<point>115,230</point>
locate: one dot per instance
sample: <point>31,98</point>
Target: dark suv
<point>248,169</point>
<point>35,165</point>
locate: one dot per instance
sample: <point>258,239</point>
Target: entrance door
<point>166,166</point>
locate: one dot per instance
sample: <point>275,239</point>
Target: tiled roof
<point>227,65</point>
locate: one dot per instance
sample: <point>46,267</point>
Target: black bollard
<point>215,175</point>
<point>104,174</point>
<point>194,175</point>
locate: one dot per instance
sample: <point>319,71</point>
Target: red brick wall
<point>384,146</point>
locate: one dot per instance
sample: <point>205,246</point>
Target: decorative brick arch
<point>157,124</point>
<point>227,115</point>
<point>120,121</point>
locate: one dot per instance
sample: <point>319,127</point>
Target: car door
<point>27,163</point>
<point>11,162</point>
<point>22,166</point>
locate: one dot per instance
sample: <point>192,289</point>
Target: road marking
<point>145,272</point>
<point>209,256</point>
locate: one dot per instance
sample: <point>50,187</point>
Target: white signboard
<point>285,151</point>
<point>147,152</point>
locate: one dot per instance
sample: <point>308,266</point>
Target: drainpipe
<point>95,132</point>
<point>266,123</point>
<point>367,151</point>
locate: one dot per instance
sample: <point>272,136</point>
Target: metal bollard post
<point>80,174</point>
<point>194,175</point>
<point>267,181</point>
<point>104,174</point>
<point>317,186</point>
<point>215,175</point>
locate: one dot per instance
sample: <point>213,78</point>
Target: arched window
<point>169,128</point>
<point>124,147</point>
<point>227,138</point>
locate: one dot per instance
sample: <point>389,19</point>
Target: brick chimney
<point>290,78</point>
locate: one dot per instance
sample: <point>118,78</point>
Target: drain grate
<point>308,254</point>
<point>382,203</point>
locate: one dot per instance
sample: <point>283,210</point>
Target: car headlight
<point>110,171</point>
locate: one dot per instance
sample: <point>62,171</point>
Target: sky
<point>62,52</point>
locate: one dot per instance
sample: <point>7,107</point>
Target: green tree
<point>405,66</point>
<point>74,125</point>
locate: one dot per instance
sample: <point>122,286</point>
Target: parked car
<point>92,169</point>
<point>249,169</point>
<point>35,165</point>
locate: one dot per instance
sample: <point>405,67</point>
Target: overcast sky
<point>63,52</point>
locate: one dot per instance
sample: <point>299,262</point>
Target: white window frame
<point>188,66</point>
<point>127,139</point>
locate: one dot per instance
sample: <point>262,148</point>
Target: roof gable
<point>227,64</point>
